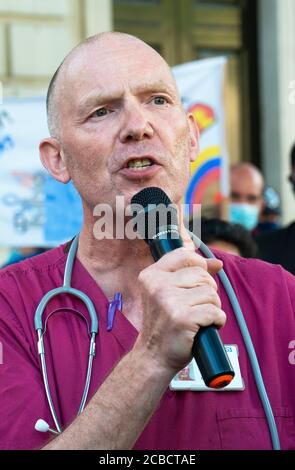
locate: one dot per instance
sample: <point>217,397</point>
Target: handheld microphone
<point>157,223</point>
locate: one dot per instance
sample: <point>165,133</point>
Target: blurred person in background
<point>278,247</point>
<point>225,236</point>
<point>271,213</point>
<point>246,195</point>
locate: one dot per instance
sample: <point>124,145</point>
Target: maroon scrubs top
<point>184,419</point>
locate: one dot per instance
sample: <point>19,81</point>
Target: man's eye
<point>100,112</point>
<point>160,100</point>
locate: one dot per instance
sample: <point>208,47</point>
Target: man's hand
<point>179,295</point>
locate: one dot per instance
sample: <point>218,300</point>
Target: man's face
<point>122,124</point>
<point>246,188</point>
<point>246,202</point>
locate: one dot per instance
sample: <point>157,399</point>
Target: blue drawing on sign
<point>29,211</point>
<point>6,143</point>
<point>63,211</point>
<point>5,116</point>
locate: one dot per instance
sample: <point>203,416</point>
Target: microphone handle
<point>208,349</point>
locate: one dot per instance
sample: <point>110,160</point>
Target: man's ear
<point>195,136</point>
<point>52,158</point>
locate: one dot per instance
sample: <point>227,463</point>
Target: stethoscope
<point>66,288</point>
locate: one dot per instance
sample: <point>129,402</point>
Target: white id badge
<point>190,377</point>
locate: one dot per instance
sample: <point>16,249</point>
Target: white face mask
<point>244,214</point>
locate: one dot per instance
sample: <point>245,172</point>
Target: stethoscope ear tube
<point>41,352</point>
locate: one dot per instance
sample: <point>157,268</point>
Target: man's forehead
<point>97,63</point>
<point>246,173</point>
<point>97,70</point>
<point>112,53</point>
<point>246,186</point>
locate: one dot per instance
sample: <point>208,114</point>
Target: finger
<point>192,277</point>
<point>214,265</point>
<point>187,241</point>
<point>180,258</point>
<point>200,295</point>
<point>208,314</point>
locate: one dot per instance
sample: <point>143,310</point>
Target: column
<point>98,16</point>
<point>277,90</point>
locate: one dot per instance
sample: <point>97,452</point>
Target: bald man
<point>246,195</point>
<point>117,126</point>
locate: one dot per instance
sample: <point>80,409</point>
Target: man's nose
<point>135,122</point>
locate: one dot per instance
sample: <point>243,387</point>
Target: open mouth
<point>138,164</point>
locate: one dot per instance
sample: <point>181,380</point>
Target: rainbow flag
<point>201,87</point>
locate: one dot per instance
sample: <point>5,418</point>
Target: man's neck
<point>114,264</point>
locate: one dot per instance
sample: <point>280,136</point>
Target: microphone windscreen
<point>154,212</point>
<point>152,195</point>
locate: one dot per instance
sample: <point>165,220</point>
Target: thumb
<point>214,265</point>
<point>187,241</point>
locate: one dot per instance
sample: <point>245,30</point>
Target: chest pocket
<point>242,429</point>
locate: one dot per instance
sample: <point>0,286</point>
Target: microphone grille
<point>157,213</point>
<point>151,195</point>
